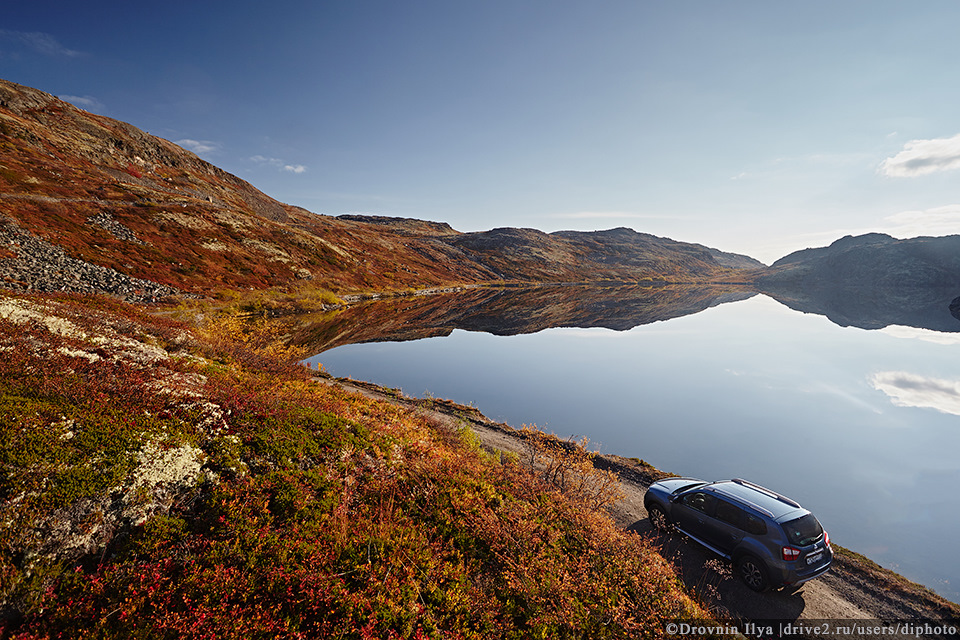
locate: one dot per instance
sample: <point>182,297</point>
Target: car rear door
<point>725,529</point>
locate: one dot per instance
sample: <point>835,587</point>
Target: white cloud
<point>199,146</point>
<point>911,390</point>
<point>84,102</point>
<point>39,42</point>
<point>920,157</point>
<point>294,168</point>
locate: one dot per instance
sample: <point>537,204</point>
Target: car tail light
<point>790,553</point>
<point>826,539</point>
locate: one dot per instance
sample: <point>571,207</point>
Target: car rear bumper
<point>794,578</point>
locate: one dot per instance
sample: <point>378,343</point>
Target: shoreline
<point>856,587</point>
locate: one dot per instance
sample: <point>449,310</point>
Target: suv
<point>772,540</point>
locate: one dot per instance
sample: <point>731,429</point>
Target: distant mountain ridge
<point>106,194</point>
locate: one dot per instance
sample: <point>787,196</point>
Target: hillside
<point>159,481</point>
<point>91,204</point>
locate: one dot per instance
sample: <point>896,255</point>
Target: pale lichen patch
<point>23,312</point>
<point>190,222</point>
<point>160,475</point>
<point>272,250</point>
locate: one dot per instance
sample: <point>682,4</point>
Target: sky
<point>751,126</point>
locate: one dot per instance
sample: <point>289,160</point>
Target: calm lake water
<point>860,426</point>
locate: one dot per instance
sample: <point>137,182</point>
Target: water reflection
<point>911,390</point>
<point>931,308</point>
<point>925,313</point>
<point>513,311</point>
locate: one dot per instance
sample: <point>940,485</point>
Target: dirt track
<point>851,590</point>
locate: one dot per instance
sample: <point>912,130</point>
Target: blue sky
<point>756,127</point>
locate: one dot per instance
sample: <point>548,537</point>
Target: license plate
<point>815,558</point>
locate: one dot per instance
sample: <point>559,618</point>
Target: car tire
<point>753,573</point>
<point>658,518</point>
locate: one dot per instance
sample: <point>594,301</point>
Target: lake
<point>860,426</point>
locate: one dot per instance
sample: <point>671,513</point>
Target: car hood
<point>669,485</point>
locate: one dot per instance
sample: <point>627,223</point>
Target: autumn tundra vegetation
<point>166,480</point>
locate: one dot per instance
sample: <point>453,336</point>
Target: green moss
<point>305,433</point>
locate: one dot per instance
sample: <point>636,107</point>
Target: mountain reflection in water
<point>514,311</point>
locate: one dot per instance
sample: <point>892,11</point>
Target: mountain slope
<point>872,260</point>
<point>110,195</point>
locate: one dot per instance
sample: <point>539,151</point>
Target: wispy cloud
<point>926,335</point>
<point>937,221</point>
<point>911,390</point>
<point>199,146</point>
<point>921,157</point>
<point>279,164</point>
<point>38,42</point>
<point>273,162</point>
<point>594,215</point>
<point>84,102</point>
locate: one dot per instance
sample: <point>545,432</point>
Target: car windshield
<point>687,486</point>
<point>803,531</point>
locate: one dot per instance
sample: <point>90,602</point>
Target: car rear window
<point>755,525</point>
<point>803,531</point>
<point>730,513</point>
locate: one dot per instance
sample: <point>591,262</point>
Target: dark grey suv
<point>772,540</point>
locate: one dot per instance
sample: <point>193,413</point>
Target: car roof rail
<point>772,494</point>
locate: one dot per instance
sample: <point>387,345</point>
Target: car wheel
<point>753,573</point>
<point>658,518</point>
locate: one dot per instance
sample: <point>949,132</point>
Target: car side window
<point>730,514</point>
<point>755,525</point>
<point>699,501</point>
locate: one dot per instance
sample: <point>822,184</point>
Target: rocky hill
<point>874,260</point>
<point>88,203</point>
